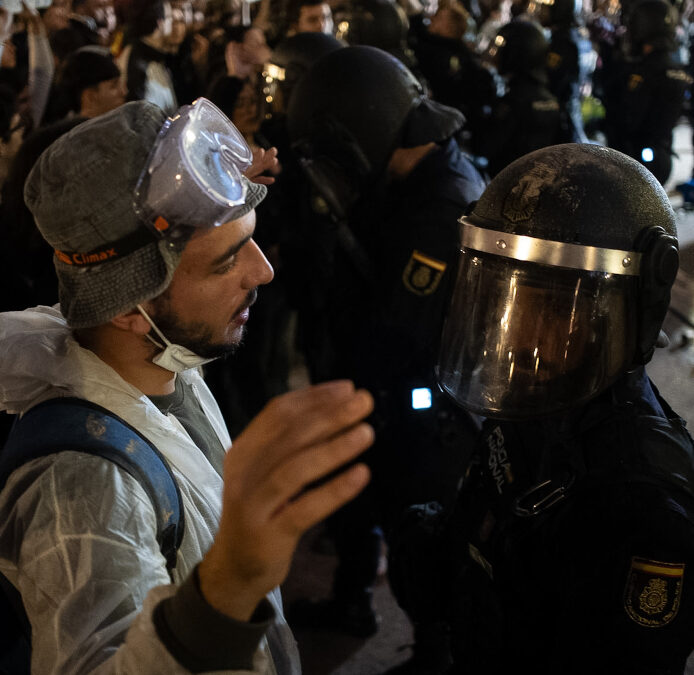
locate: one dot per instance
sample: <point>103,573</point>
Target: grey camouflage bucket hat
<point>80,192</point>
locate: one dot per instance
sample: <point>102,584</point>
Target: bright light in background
<point>647,155</point>
<point>421,398</point>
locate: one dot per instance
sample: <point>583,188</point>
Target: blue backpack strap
<point>75,424</point>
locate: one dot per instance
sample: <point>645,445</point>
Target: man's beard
<point>195,335</point>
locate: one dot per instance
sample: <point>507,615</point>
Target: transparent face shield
<point>194,174</point>
<point>525,339</point>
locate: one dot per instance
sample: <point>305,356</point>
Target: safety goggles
<point>194,173</point>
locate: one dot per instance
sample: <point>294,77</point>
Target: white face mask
<point>173,357</point>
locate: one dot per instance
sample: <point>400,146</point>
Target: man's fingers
<point>298,473</point>
<point>262,180</point>
<point>263,160</point>
<point>303,418</point>
<point>317,504</point>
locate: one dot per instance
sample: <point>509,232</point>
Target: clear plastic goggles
<point>194,173</point>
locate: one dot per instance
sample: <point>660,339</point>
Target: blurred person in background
<point>644,94</point>
<point>454,73</point>
<point>56,16</point>
<point>157,30</point>
<point>87,20</point>
<point>527,117</point>
<point>569,60</point>
<point>308,16</point>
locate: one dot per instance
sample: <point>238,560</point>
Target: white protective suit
<point>77,533</point>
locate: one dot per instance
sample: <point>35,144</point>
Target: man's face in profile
<point>206,307</point>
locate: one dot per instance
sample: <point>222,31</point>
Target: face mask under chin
<point>174,358</point>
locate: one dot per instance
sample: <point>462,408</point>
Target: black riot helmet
<point>351,111</point>
<point>289,61</point>
<point>555,13</point>
<point>519,47</point>
<point>652,22</point>
<point>564,280</point>
<point>378,23</point>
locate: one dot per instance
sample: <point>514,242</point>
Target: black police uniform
<point>386,330</point>
<point>595,577</point>
<point>567,69</point>
<point>384,334</point>
<point>456,77</point>
<point>646,104</point>
<point>525,119</point>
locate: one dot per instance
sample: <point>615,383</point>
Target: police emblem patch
<point>553,60</point>
<point>653,592</point>
<point>635,81</point>
<point>422,274</point>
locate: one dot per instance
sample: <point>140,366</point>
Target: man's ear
<point>131,321</point>
<point>87,99</point>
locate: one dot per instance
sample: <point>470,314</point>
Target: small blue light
<point>647,154</point>
<point>421,398</point>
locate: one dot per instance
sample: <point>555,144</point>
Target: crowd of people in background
<point>511,77</point>
<point>525,74</point>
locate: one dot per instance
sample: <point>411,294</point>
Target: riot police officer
<point>378,23</point>
<point>570,60</point>
<point>388,180</point>
<point>452,70</point>
<point>527,116</point>
<point>573,539</point>
<point>645,96</point>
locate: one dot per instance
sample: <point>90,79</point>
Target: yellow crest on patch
<point>553,60</point>
<point>422,274</point>
<point>634,81</point>
<point>653,592</point>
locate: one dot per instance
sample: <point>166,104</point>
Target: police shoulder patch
<point>422,274</point>
<point>653,592</point>
<point>635,81</point>
<point>553,60</point>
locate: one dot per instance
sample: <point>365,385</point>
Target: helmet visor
<point>527,340</point>
<point>194,174</point>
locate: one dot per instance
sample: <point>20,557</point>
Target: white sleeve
<point>78,538</point>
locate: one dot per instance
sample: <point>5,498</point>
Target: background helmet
<point>290,61</point>
<point>351,111</point>
<point>519,47</point>
<point>555,13</point>
<point>564,281</point>
<point>652,22</point>
<point>378,23</point>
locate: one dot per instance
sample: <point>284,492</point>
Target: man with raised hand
<point>152,221</point>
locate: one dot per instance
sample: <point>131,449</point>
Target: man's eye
<point>227,267</point>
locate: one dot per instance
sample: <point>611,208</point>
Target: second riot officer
<point>389,179</point>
